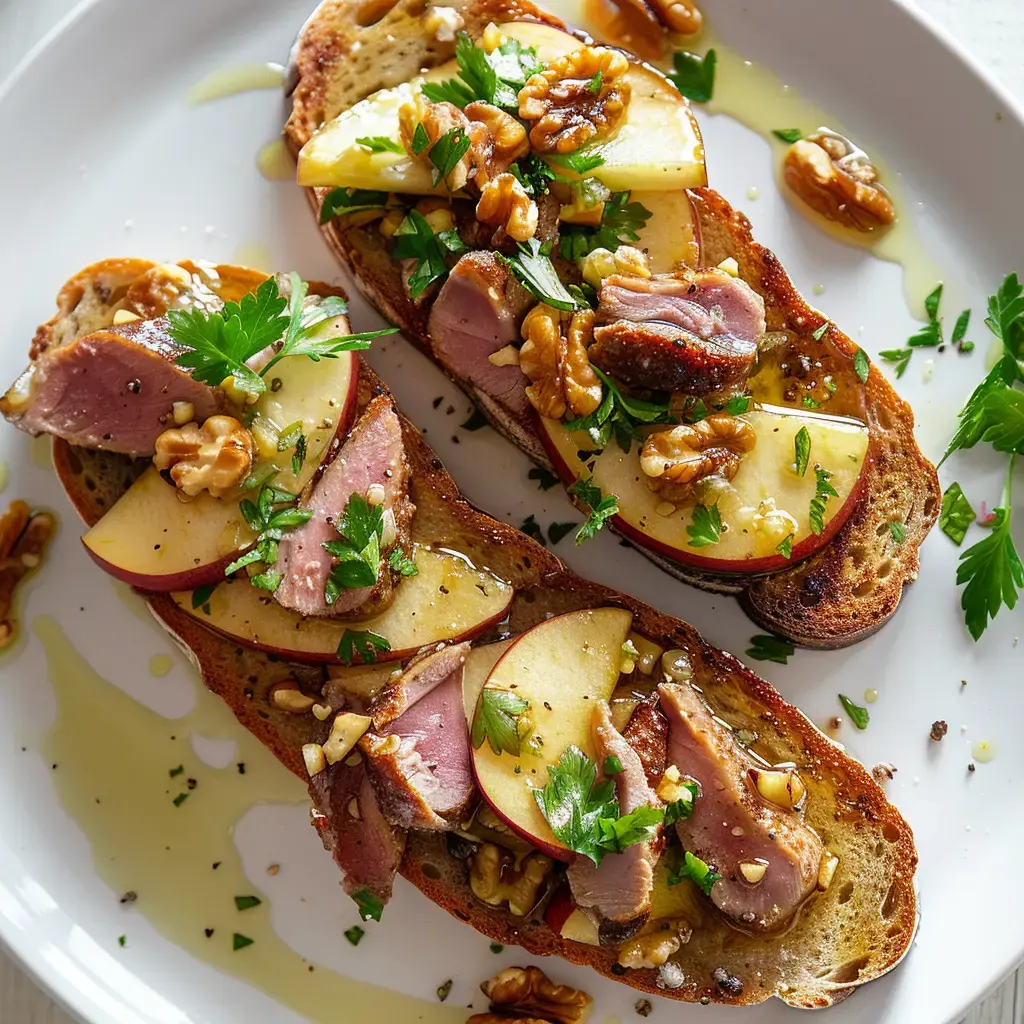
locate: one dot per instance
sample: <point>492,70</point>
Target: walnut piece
<point>682,16</point>
<point>504,201</point>
<point>527,992</point>
<point>216,457</point>
<point>649,951</point>
<point>567,109</point>
<point>507,137</point>
<point>495,879</point>
<point>627,261</point>
<point>23,538</point>
<point>839,181</point>
<point>557,364</point>
<point>675,460</point>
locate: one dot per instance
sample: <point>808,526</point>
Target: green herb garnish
<point>494,77</point>
<point>705,528</point>
<point>861,365</point>
<point>682,808</point>
<point>357,554</point>
<point>612,765</point>
<point>180,799</point>
<point>446,153</point>
<point>340,201</point>
<point>959,332</point>
<point>497,720</point>
<point>477,421</point>
<point>581,161</point>
<point>247,902</point>
<point>858,715</point>
<point>694,76</point>
<point>239,941</point>
<point>532,267</point>
<point>785,546</point>
<point>620,414</point>
<point>897,531</point>
<point>415,240</point>
<point>532,529</point>
<point>444,990</point>
<point>533,174</point>
<point>368,905</point>
<point>558,531</point>
<point>496,947</point>
<point>899,356</point>
<point>201,597</point>
<point>695,870</point>
<point>823,490</point>
<point>380,144</point>
<point>544,477</point>
<point>402,565</point>
<point>789,135</point>
<point>272,514</point>
<point>621,221</point>
<point>801,450</point>
<point>354,934</point>
<point>174,772</point>
<point>363,644</point>
<point>601,507</point>
<point>769,647</point>
<point>819,332</point>
<point>956,514</point>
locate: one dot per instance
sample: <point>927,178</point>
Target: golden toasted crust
<point>836,598</point>
<point>855,931</point>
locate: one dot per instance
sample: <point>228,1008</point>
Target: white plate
<point>102,157</point>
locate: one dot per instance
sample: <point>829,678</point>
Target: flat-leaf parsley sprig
<point>602,507</point>
<point>270,516</point>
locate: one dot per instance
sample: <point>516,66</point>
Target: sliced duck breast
<point>647,733</point>
<point>113,390</point>
<point>732,825</point>
<point>618,891</point>
<point>418,757</point>
<point>696,334</point>
<point>373,456</point>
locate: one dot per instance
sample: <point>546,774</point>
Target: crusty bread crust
<point>837,597</point>
<point>854,932</point>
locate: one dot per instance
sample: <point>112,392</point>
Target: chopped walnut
<point>566,108</point>
<point>682,16</point>
<point>838,180</point>
<point>508,141</point>
<point>684,455</point>
<point>557,364</point>
<point>504,201</point>
<point>600,263</point>
<point>644,1007</point>
<point>883,772</point>
<point>438,119</point>
<point>938,730</point>
<point>495,878</point>
<point>216,457</point>
<point>23,538</point>
<point>527,992</point>
<point>649,951</point>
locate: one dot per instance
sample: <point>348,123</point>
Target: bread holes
<point>859,556</point>
<point>891,833</point>
<point>879,849</point>
<point>430,871</point>
<point>864,588</point>
<point>891,902</point>
<point>845,892</point>
<point>884,569</point>
<point>846,974</point>
<point>372,11</point>
<point>929,506</point>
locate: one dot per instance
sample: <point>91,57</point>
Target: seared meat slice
<point>731,824</point>
<point>366,848</point>
<point>696,334</point>
<point>618,892</point>
<point>419,758</point>
<point>476,313</point>
<point>113,389</point>
<point>647,733</point>
<point>373,454</point>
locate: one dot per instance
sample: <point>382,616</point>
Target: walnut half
<point>216,457</point>
<point>838,180</point>
<point>576,98</point>
<point>494,879</point>
<point>557,364</point>
<point>24,535</point>
<point>504,202</point>
<point>527,993</point>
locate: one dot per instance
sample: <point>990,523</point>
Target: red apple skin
<point>331,657</point>
<point>723,566</point>
<point>559,909</point>
<point>213,572</point>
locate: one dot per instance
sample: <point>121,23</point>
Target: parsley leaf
<point>737,405</point>
<point>240,941</point>
<point>533,269</point>
<point>497,720</point>
<point>897,531</point>
<point>960,330</point>
<point>381,144</point>
<point>402,565</point>
<point>819,332</point>
<point>602,507</point>
<point>956,514</point>
<point>361,644</point>
<point>368,904</point>
<point>583,160</point>
<point>354,934</point>
<point>544,477</point>
<point>420,139</point>
<point>621,221</point>
<point>446,153</point>
<point>619,413</point>
<point>695,870</point>
<point>706,527</point>
<point>415,240</point>
<point>358,552</point>
<point>858,715</point>
<point>1006,316</point>
<point>899,356</point>
<point>533,174</point>
<point>992,572</point>
<point>618,834</point>
<point>769,647</point>
<point>861,365</point>
<point>220,342</point>
<point>201,597</point>
<point>594,85</point>
<point>612,765</point>
<point>340,201</point>
<point>931,303</point>
<point>532,529</point>
<point>557,532</point>
<point>802,450</point>
<point>1003,413</point>
<point>789,135</point>
<point>973,416</point>
<point>273,513</point>
<point>694,76</point>
<point>494,77</point>
<point>247,902</point>
<point>785,546</point>
<point>683,807</point>
<point>823,490</point>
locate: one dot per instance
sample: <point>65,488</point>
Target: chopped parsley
<point>858,715</point>
<point>705,528</point>
<point>788,135</point>
<point>533,174</point>
<point>532,528</point>
<point>583,813</point>
<point>769,647</point>
<point>497,720</point>
<point>361,646</point>
<point>693,869</point>
<point>368,905</point>
<point>415,240</point>
<point>477,421</point>
<point>240,941</point>
<point>682,808</point>
<point>531,264</point>
<point>621,221</point>
<point>558,531</point>
<point>612,765</point>
<point>494,77</point>
<point>861,365</point>
<point>420,139</point>
<point>201,597</point>
<point>819,332</point>
<point>956,514</point>
<point>582,161</point>
<point>354,934</point>
<point>785,546</point>
<point>619,414</point>
<point>737,405</point>
<point>897,531</point>
<point>444,990</point>
<point>544,477</point>
<point>801,450</point>
<point>381,144</point>
<point>247,902</point>
<point>401,564</point>
<point>496,947</point>
<point>272,514</point>
<point>960,331</point>
<point>823,490</point>
<point>446,153</point>
<point>899,356</point>
<point>694,76</point>
<point>293,437</point>
<point>180,770</point>
<point>601,507</point>
<point>180,799</point>
<point>122,940</point>
<point>357,554</point>
<point>340,201</point>
<point>594,85</point>
<point>809,403</point>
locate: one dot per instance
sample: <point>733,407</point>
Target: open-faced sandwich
<point>562,767</point>
<point>530,208</point>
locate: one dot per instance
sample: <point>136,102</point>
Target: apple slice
<point>658,147</point>
<point>152,539</point>
<point>748,543</point>
<point>448,599</point>
<point>563,667</point>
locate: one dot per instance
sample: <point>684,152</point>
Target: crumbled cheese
<point>443,23</point>
<point>670,976</point>
<point>928,370</point>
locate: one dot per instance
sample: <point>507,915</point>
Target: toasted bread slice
<point>836,597</point>
<point>855,930</point>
